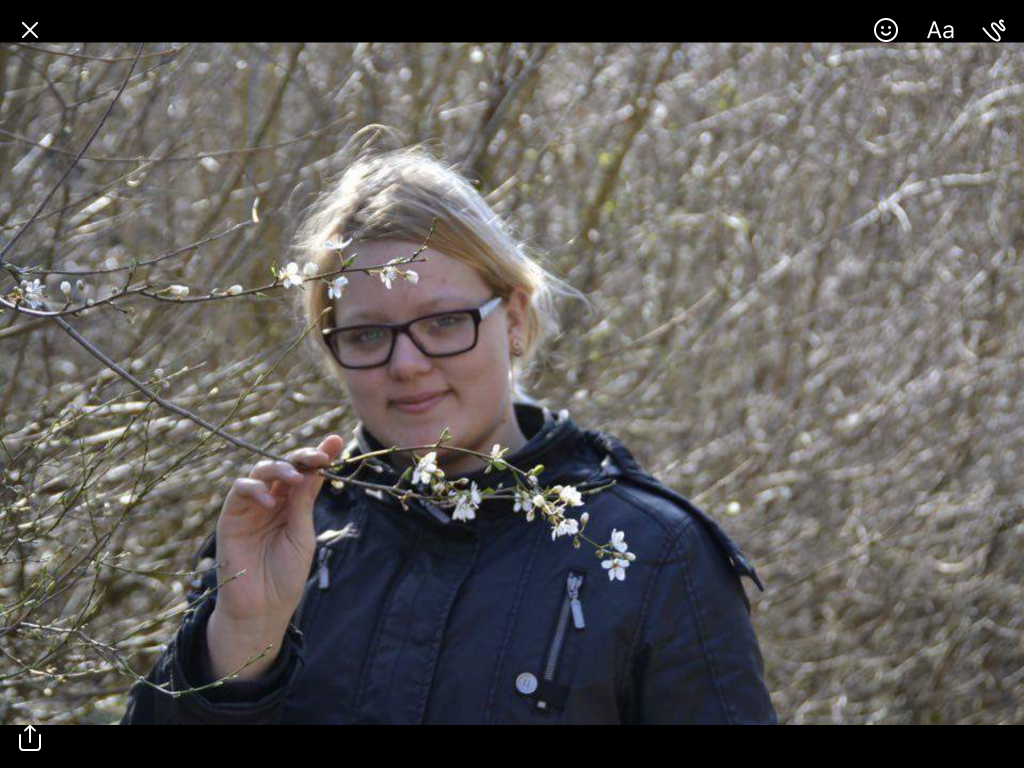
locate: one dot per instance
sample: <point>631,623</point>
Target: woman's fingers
<point>262,484</point>
<point>329,450</point>
<point>276,470</point>
<point>253,490</point>
<point>308,458</point>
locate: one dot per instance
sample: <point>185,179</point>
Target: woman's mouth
<point>419,403</point>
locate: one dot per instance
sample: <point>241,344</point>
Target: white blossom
<point>463,510</point>
<point>292,275</point>
<point>616,568</point>
<point>178,290</point>
<point>311,269</point>
<point>426,469</point>
<point>33,293</point>
<point>570,496</point>
<point>387,274</point>
<point>495,458</point>
<point>619,561</point>
<point>523,502</point>
<point>335,287</point>
<point>566,526</point>
<point>235,289</point>
<point>411,276</point>
<point>619,540</point>
<point>65,287</point>
<point>466,504</point>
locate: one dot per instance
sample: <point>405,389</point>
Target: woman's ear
<point>516,305</point>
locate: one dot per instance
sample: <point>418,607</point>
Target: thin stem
<point>67,172</point>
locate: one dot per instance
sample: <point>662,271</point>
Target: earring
<point>517,348</point>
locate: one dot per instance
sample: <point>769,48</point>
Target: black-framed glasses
<point>441,334</point>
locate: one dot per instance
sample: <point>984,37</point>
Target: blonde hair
<point>407,193</point>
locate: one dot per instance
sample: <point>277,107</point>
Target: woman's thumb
<point>332,446</point>
<point>310,487</point>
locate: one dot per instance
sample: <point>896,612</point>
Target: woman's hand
<point>266,528</point>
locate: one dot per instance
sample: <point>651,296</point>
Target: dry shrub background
<point>806,262</point>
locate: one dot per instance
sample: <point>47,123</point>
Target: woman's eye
<point>447,321</point>
<point>368,336</point>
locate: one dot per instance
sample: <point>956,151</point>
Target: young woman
<point>379,611</point>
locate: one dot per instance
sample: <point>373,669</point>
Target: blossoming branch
<point>464,497</point>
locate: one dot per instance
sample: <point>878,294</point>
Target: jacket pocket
<point>551,693</point>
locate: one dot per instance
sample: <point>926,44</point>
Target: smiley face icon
<point>886,30</point>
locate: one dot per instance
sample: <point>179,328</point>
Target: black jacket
<point>411,617</point>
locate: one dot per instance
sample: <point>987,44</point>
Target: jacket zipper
<point>571,606</point>
<point>321,578</point>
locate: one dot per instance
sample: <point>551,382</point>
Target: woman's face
<point>474,389</point>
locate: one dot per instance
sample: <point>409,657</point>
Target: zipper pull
<point>573,588</point>
<point>324,581</point>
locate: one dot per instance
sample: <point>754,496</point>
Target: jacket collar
<point>555,440</point>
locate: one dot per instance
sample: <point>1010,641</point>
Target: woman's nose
<point>406,359</point>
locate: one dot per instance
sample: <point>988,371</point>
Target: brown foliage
<point>806,264</point>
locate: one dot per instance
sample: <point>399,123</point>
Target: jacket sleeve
<point>185,664</point>
<point>697,659</point>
